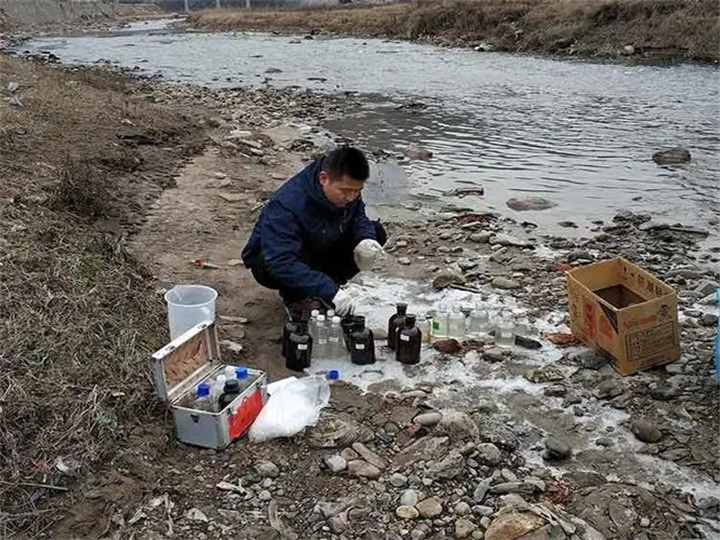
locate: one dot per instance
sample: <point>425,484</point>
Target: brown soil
<point>654,29</point>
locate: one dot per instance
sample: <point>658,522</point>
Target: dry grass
<point>681,29</point>
<point>78,317</point>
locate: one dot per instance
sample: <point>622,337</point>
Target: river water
<point>578,133</point>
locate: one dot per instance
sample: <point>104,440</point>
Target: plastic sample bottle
<point>203,400</point>
<point>424,324</point>
<point>409,342</point>
<point>299,349</point>
<point>330,315</point>
<point>456,324</point>
<point>231,390</point>
<point>505,332</point>
<point>321,338</point>
<point>312,324</point>
<point>229,373</point>
<point>243,377</point>
<point>218,389</point>
<point>362,343</point>
<point>336,343</point>
<point>395,323</point>
<point>440,323</point>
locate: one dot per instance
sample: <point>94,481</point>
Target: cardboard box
<point>187,361</point>
<point>624,312</point>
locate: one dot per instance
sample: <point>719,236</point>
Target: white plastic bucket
<point>189,305</point>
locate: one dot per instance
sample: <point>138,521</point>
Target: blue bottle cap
<point>241,373</point>
<point>333,375</point>
<point>203,389</point>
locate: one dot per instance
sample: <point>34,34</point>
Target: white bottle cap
<point>321,318</point>
<point>330,314</point>
<point>336,320</point>
<point>314,313</point>
<point>221,378</point>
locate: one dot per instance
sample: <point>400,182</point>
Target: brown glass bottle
<point>299,350</point>
<point>362,343</point>
<point>409,341</point>
<point>395,323</point>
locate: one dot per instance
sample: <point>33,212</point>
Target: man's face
<point>340,191</point>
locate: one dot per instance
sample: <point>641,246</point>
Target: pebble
<point>264,495</point>
<point>481,237</point>
<point>505,283</point>
<point>463,509</point>
<point>481,490</point>
<point>555,390</point>
<point>464,528</point>
<point>609,389</point>
<point>481,510</point>
<point>644,522</point>
<point>405,261</point>
<point>267,469</point>
<point>508,475</point>
<point>398,480</point>
<point>407,512</point>
<point>410,497</point>
<point>488,454</point>
<point>646,431</point>
<point>428,419</point>
<point>363,469</point>
<point>709,319</point>
<point>429,508</point>
<point>369,456</point>
<point>557,449</point>
<point>195,514</point>
<point>493,354</point>
<point>335,463</point>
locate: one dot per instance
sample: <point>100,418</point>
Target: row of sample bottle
<point>319,338</point>
<point>214,394</point>
<point>477,324</point>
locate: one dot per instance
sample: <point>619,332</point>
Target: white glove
<point>344,304</point>
<point>366,252</point>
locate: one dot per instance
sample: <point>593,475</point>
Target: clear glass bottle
<point>440,322</point>
<point>203,399</point>
<point>456,324</point>
<point>424,324</point>
<point>362,343</point>
<point>395,324</point>
<point>312,324</point>
<point>505,332</point>
<point>409,342</point>
<point>299,349</point>
<point>478,323</point>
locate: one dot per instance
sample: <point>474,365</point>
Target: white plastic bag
<point>291,408</point>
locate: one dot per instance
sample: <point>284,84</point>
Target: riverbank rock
<point>557,450</point>
<point>646,431</point>
<point>488,454</point>
<point>447,346</point>
<point>363,469</point>
<point>513,525</point>
<point>505,283</point>
<point>524,204</point>
<point>672,156</point>
<point>429,508</point>
<point>464,528</point>
<point>418,152</point>
<point>407,512</point>
<point>428,419</point>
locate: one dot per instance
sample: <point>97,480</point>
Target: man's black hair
<point>346,161</point>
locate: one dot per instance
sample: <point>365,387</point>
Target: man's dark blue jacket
<point>300,225</point>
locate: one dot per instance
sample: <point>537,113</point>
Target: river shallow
<point>578,133</point>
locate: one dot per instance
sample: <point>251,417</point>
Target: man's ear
<point>324,178</point>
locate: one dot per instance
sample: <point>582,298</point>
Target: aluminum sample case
<point>188,360</point>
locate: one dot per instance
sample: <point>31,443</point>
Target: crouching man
<point>312,231</point>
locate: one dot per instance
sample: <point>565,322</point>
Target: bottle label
<point>436,325</point>
<point>322,341</point>
<point>404,337</point>
<point>360,347</point>
<point>334,340</point>
<point>302,347</point>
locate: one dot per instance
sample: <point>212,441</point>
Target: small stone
<point>417,152</point>
<point>557,449</point>
<point>464,528</point>
<point>483,511</point>
<point>646,431</point>
<point>398,480</point>
<point>493,354</point>
<point>512,525</point>
<point>481,490</point>
<point>523,204</point>
<point>220,176</point>
<point>506,487</point>
<point>410,497</point>
<point>488,454</point>
<point>481,237</point>
<point>338,524</point>
<point>536,483</point>
<point>405,261</point>
<point>429,508</point>
<point>335,463</point>
<point>590,359</point>
<point>672,156</point>
<point>485,524</point>
<point>369,456</point>
<point>609,389</point>
<point>605,442</point>
<point>267,469</point>
<point>447,346</point>
<point>349,454</point>
<point>407,512</point>
<point>505,283</point>
<point>707,287</point>
<point>195,514</point>
<point>709,319</point>
<point>555,390</point>
<point>401,243</point>
<point>264,495</point>
<point>508,475</point>
<point>463,509</point>
<point>363,469</point>
<point>428,419</point>
<point>644,522</point>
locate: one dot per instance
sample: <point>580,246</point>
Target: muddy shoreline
<point>462,473</point>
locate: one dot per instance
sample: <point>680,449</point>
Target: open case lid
<point>186,360</point>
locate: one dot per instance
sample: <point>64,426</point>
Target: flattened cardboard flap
<point>186,359</point>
